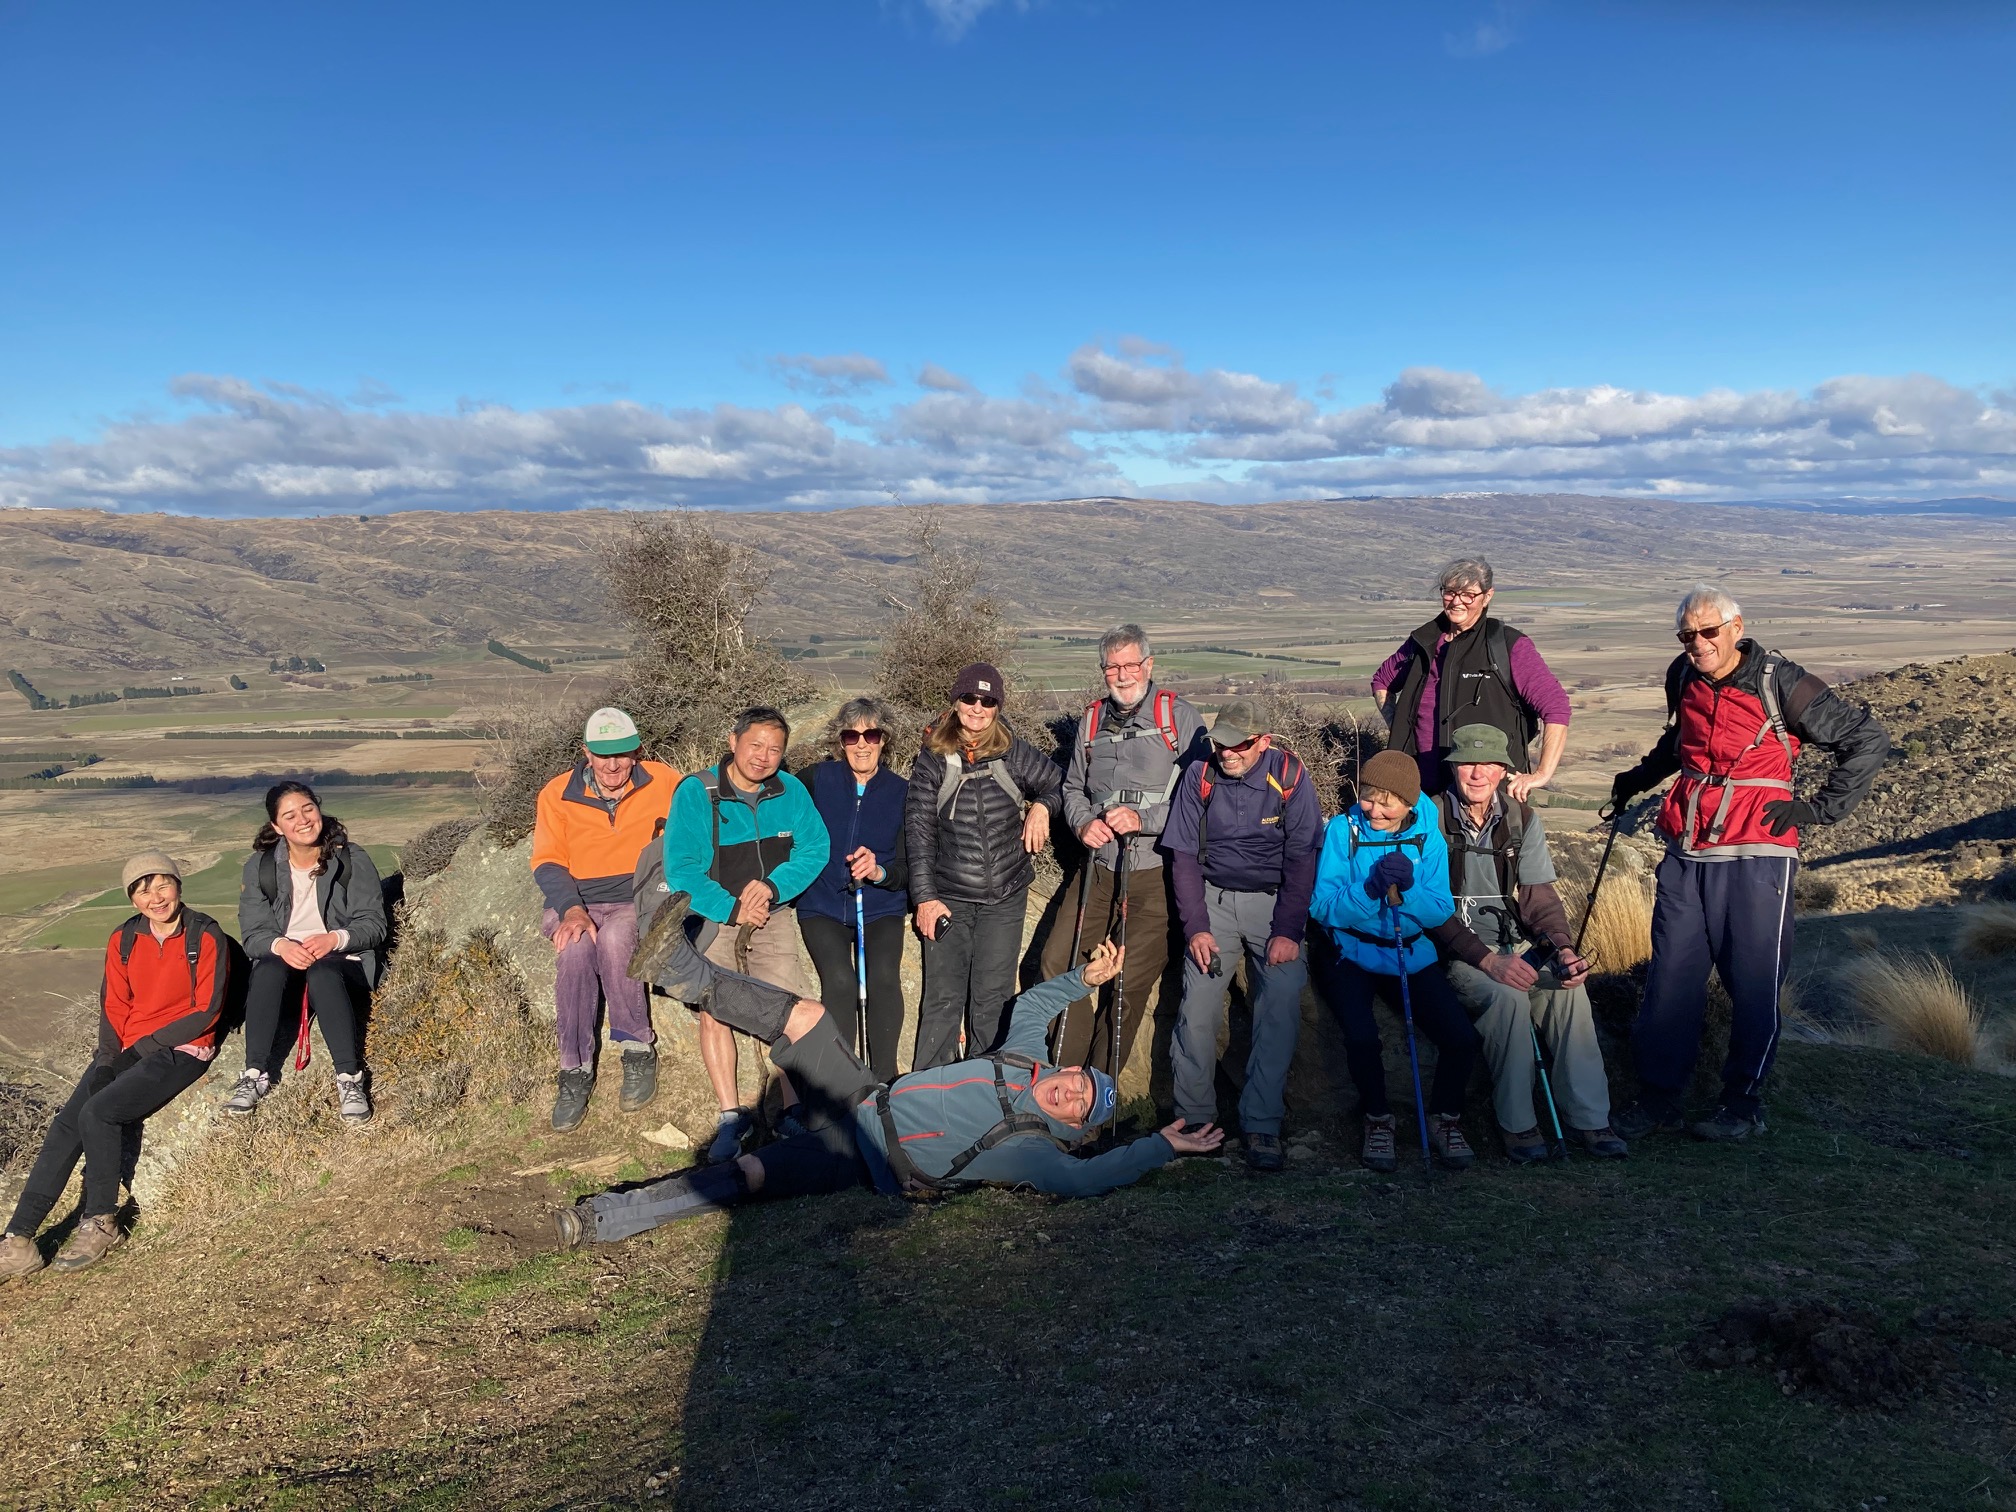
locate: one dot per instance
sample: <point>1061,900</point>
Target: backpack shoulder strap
<point>1774,712</point>
<point>1089,725</point>
<point>269,875</point>
<point>128,934</point>
<point>1165,718</point>
<point>953,779</point>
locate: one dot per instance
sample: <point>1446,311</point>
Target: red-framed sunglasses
<point>856,737</point>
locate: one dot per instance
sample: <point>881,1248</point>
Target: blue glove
<point>1389,871</point>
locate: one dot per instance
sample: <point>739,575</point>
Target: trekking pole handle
<point>1393,896</point>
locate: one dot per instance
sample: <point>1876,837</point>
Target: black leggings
<point>335,989</point>
<point>1349,989</point>
<point>93,1124</point>
<point>831,945</point>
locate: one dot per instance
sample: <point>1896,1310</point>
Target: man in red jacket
<point>1737,718</point>
<point>166,969</point>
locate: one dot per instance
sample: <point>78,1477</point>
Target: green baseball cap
<point>1236,724</point>
<point>611,732</point>
<point>1474,745</point>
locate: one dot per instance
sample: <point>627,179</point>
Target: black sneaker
<point>1643,1118</point>
<point>1727,1127</point>
<point>668,927</point>
<point>640,1078</point>
<point>1263,1152</point>
<point>571,1105</point>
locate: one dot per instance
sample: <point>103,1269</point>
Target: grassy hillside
<point>1568,1337</point>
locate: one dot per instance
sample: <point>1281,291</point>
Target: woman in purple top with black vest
<point>1463,667</point>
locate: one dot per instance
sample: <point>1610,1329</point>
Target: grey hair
<point>878,714</point>
<point>1465,572</point>
<point>1705,596</point>
<point>1123,635</point>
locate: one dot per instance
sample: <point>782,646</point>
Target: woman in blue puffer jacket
<point>1390,846</point>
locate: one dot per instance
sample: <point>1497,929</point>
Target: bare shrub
<point>1989,930</point>
<point>1919,1003</point>
<point>430,851</point>
<point>946,621</point>
<point>1332,747</point>
<point>694,664</point>
<point>24,1114</point>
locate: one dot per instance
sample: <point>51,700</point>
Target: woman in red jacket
<point>165,974</point>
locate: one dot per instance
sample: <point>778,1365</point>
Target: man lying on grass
<point>1006,1119</point>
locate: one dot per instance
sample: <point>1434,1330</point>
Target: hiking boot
<point>1643,1118</point>
<point>640,1078</point>
<point>790,1123</point>
<point>571,1105</point>
<point>1263,1152</point>
<point>574,1225</point>
<point>1726,1127</point>
<point>1445,1139</point>
<point>91,1241</point>
<point>731,1132</point>
<point>249,1093</point>
<point>1602,1143</point>
<point>20,1257</point>
<point>1524,1149</point>
<point>1380,1153</point>
<point>668,928</point>
<point>352,1101</point>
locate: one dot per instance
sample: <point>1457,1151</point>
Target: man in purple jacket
<point>1465,668</point>
<point>1243,837</point>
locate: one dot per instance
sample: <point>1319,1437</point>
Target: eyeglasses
<point>1243,747</point>
<point>980,700</point>
<point>1688,637</point>
<point>858,737</point>
<point>1124,669</point>
<point>1462,595</point>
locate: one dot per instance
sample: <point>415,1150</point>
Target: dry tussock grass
<point>1619,936</point>
<point>1989,930</point>
<point>451,1029</point>
<point>1919,1004</point>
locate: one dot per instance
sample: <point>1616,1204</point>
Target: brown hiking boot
<point>92,1241</point>
<point>20,1257</point>
<point>1526,1148</point>
<point>1445,1138</point>
<point>1380,1153</point>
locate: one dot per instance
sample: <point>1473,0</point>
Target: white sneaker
<point>353,1102</point>
<point>251,1090</point>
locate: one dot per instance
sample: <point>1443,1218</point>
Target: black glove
<point>1782,814</point>
<point>1624,787</point>
<point>1389,871</point>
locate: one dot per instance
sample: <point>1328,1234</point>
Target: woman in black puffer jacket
<point>979,807</point>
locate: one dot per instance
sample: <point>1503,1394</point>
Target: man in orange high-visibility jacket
<point>594,821</point>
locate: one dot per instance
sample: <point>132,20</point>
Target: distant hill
<point>84,590</point>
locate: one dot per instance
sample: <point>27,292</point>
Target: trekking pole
<point>1077,938</point>
<point>1407,1017</point>
<point>860,978</point>
<point>1610,814</point>
<point>1553,1113</point>
<point>1120,981</point>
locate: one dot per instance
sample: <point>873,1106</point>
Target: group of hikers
<point>1434,891</point>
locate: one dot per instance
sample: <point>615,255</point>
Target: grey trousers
<point>1240,921</point>
<point>1506,1019</point>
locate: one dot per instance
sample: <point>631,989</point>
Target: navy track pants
<point>1735,916</point>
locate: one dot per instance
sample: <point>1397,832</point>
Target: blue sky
<point>266,259</point>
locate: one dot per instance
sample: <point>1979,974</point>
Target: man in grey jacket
<point>1006,1119</point>
<point>1126,755</point>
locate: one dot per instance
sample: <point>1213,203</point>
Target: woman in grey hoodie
<point>311,914</point>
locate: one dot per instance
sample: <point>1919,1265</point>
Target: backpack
<point>958,774</point>
<point>647,882</point>
<point>1767,687</point>
<point>1504,858</point>
<point>1163,712</point>
<point>915,1183</point>
<point>231,957</point>
<point>1281,784</point>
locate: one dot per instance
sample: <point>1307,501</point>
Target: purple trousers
<point>589,972</point>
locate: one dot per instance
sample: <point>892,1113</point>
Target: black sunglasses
<point>982,700</point>
<point>855,737</point>
<point>1709,632</point>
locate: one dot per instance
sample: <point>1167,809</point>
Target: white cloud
<point>955,18</point>
<point>240,447</point>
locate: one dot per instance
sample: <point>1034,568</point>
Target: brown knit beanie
<point>1395,772</point>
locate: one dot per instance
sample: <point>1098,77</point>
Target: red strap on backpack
<point>301,1052</point>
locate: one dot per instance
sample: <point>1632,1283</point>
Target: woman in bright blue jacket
<point>1390,846</point>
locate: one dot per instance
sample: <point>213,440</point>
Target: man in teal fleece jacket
<point>743,840</point>
<point>1009,1119</point>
